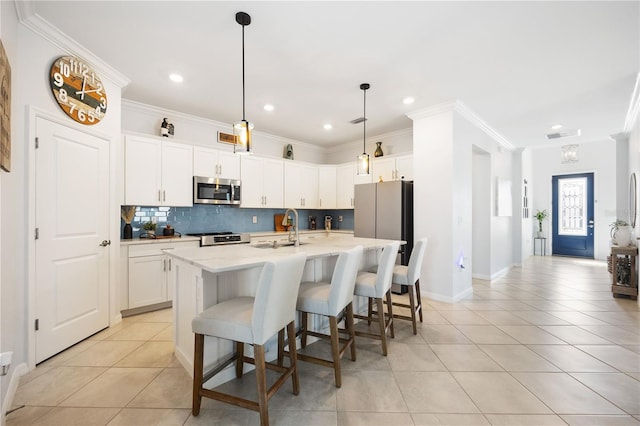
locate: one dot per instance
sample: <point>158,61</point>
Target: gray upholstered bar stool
<point>377,286</point>
<point>334,300</point>
<point>252,320</point>
<point>410,276</point>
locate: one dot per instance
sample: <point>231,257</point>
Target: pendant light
<point>242,129</point>
<point>363,159</point>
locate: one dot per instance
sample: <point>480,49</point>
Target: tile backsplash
<point>211,218</point>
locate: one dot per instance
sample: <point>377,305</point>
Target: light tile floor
<point>546,344</point>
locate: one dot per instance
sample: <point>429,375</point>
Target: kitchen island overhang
<point>203,276</point>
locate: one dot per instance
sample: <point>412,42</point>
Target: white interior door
<point>72,265</point>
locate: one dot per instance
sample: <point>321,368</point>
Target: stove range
<point>219,238</point>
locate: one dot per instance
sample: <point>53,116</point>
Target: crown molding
<point>634,108</point>
<point>28,17</point>
<point>467,113</point>
<point>128,104</point>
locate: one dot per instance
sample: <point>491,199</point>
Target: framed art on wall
<point>5,111</point>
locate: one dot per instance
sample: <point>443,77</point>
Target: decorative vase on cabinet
<point>378,152</point>
<point>127,232</point>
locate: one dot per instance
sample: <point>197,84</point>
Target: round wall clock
<point>78,90</point>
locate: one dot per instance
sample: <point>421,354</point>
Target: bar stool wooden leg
<point>280,347</point>
<point>198,360</point>
<point>303,329</point>
<point>419,297</point>
<point>381,324</point>
<point>390,309</point>
<point>349,323</point>
<point>370,311</point>
<point>293,357</point>
<point>261,384</point>
<point>335,349</point>
<point>239,361</point>
<point>412,306</point>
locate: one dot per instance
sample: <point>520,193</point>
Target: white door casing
<point>72,220</point>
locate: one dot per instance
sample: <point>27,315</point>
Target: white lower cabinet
<point>148,271</point>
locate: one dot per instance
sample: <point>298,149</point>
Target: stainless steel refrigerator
<point>385,210</point>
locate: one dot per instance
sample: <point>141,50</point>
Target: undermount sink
<point>276,244</point>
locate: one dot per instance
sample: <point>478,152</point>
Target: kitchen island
<point>204,276</point>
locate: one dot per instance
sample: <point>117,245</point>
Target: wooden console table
<point>623,271</point>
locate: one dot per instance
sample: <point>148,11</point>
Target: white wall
<point>146,119</point>
<point>526,236</point>
<point>499,233</point>
<point>633,166</point>
<point>481,215</point>
<point>596,157</point>
<point>12,221</point>
<point>30,88</point>
<point>400,142</point>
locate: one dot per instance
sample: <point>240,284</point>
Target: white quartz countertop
<point>136,241</point>
<point>234,257</point>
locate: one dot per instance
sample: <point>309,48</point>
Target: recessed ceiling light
<point>556,127</point>
<point>176,78</point>
<point>268,107</point>
<point>328,126</point>
<point>408,100</point>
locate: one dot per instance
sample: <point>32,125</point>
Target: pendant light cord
<point>243,108</point>
<point>364,132</point>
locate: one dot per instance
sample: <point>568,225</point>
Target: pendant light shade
<point>242,129</point>
<point>363,159</point>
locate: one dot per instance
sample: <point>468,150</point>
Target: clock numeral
<point>103,103</point>
<point>62,94</point>
<point>57,79</point>
<point>99,89</point>
<point>92,116</point>
<point>73,107</point>
<point>65,68</point>
<point>81,115</point>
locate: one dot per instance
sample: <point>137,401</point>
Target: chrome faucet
<point>285,221</point>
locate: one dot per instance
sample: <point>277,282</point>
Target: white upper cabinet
<point>404,167</point>
<point>345,178</point>
<point>392,168</point>
<point>300,185</point>
<point>262,182</point>
<point>158,172</point>
<point>327,187</point>
<point>383,168</point>
<point>209,162</point>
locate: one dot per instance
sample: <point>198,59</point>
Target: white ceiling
<point>520,66</point>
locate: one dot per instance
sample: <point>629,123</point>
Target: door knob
<point>105,243</point>
<point>591,223</point>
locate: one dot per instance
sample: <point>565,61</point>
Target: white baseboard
<point>493,276</point>
<point>448,299</point>
<point>20,370</point>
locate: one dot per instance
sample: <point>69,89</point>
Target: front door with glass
<point>572,219</point>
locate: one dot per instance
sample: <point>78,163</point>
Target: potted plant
<point>150,227</point>
<point>541,216</point>
<point>620,233</point>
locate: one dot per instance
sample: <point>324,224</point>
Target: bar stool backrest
<point>415,262</point>
<point>343,280</point>
<point>385,268</point>
<point>275,302</point>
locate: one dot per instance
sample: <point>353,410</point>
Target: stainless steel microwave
<point>208,190</point>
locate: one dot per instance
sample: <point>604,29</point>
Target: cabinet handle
<point>164,265</point>
<point>169,264</point>
<point>164,195</point>
<point>159,195</point>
